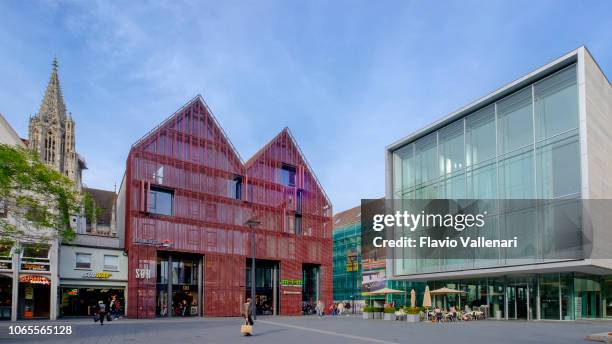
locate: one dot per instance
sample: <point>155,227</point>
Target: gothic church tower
<point>52,133</point>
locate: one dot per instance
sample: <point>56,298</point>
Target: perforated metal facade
<point>213,193</point>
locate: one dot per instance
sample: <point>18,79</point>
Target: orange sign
<point>34,279</point>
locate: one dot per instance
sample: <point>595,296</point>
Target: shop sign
<point>292,282</point>
<point>97,275</point>
<point>143,273</point>
<point>352,262</point>
<point>73,292</point>
<point>34,279</point>
<point>5,265</point>
<point>34,267</point>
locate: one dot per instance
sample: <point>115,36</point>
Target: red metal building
<point>186,198</point>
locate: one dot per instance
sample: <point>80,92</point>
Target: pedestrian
<point>112,306</point>
<point>117,308</point>
<point>320,308</point>
<point>184,308</point>
<point>247,313</point>
<point>340,308</point>
<point>101,309</point>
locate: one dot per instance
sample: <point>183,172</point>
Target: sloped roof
<point>169,119</point>
<point>347,217</point>
<point>263,149</point>
<point>104,200</point>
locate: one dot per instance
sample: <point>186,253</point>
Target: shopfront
<point>266,285</point>
<point>35,296</point>
<point>89,275</point>
<point>6,282</point>
<point>178,285</point>
<point>551,296</point>
<point>35,283</point>
<point>81,301</point>
<point>6,293</point>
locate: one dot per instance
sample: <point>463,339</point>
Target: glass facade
<point>347,262</point>
<point>550,296</point>
<point>523,146</point>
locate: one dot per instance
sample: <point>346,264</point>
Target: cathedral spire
<point>53,102</point>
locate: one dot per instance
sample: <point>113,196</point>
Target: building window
<point>287,175</point>
<point>83,260</point>
<point>298,203</point>
<point>111,262</point>
<point>298,224</point>
<point>35,251</point>
<point>160,201</point>
<point>556,104</point>
<point>236,188</point>
<point>515,117</point>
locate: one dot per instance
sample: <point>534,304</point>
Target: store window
<point>83,260</point>
<point>111,262</point>
<point>160,201</point>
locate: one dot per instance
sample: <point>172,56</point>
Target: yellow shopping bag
<point>246,329</point>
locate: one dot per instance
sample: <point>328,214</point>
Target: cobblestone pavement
<point>298,330</point>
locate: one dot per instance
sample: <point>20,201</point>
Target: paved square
<point>302,330</point>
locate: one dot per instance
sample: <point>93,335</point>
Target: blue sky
<point>347,77</point>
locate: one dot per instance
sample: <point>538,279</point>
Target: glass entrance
<point>178,285</point>
<point>266,286</point>
<point>520,302</point>
<point>591,301</point>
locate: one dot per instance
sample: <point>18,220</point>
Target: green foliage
<point>90,208</point>
<point>370,309</point>
<point>390,310</point>
<point>38,199</point>
<point>412,310</point>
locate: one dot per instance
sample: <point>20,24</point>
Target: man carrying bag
<point>247,311</point>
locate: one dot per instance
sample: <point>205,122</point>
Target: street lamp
<point>253,223</point>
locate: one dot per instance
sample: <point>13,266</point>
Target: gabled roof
<point>168,120</point>
<point>287,132</point>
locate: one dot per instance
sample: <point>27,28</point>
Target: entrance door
<point>266,286</point>
<point>519,305</point>
<point>591,302</point>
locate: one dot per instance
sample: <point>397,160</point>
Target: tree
<point>36,202</point>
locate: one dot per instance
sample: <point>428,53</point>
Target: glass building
<point>347,255</point>
<point>543,136</point>
<point>355,275</point>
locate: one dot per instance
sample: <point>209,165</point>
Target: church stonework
<point>52,133</point>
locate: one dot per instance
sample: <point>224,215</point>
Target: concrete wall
<point>120,213</point>
<point>596,158</point>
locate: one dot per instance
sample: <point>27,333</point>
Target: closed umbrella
<point>412,298</point>
<point>427,298</point>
